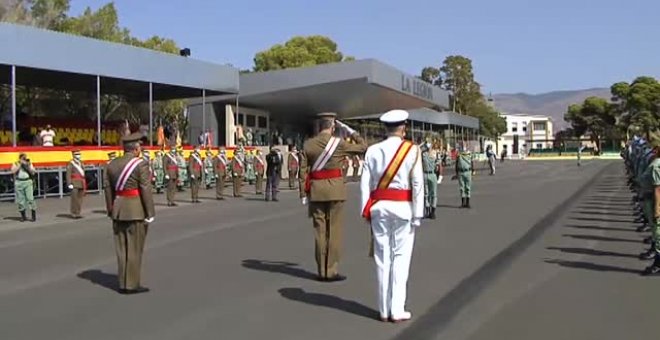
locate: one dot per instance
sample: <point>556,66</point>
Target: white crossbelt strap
<point>295,157</point>
<point>78,168</point>
<point>126,173</point>
<point>259,160</point>
<point>223,160</point>
<point>326,154</point>
<point>199,161</point>
<point>240,162</point>
<point>171,158</point>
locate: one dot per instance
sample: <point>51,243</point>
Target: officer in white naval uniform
<point>394,205</point>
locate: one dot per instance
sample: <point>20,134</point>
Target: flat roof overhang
<point>426,115</point>
<point>349,88</point>
<point>54,60</point>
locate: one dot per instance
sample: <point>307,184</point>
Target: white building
<point>524,133</point>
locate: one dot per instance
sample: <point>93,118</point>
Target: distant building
<point>524,133</point>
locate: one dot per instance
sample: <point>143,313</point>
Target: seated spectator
<point>47,135</point>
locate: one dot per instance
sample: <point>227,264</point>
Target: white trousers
<point>393,245</point>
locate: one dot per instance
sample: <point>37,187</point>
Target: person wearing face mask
<point>24,173</point>
<point>130,205</point>
<point>430,182</point>
<point>220,167</point>
<point>195,166</point>
<point>75,177</point>
<point>170,162</point>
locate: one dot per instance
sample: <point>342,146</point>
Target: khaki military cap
<point>132,138</point>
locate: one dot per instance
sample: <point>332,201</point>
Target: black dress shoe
<point>647,255</point>
<point>652,270</point>
<point>138,290</point>
<point>641,228</point>
<point>336,278</point>
<point>648,240</point>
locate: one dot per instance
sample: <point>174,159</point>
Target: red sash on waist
<point>399,195</point>
<point>128,193</point>
<point>80,177</point>
<point>321,174</point>
<point>172,167</point>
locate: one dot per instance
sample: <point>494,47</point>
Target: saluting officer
<point>293,163</point>
<point>238,171</point>
<point>171,175</point>
<point>129,200</point>
<point>392,192</point>
<point>24,173</point>
<point>259,169</point>
<point>195,166</point>
<point>220,166</point>
<point>75,177</point>
<point>325,190</point>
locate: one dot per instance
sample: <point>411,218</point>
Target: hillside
<point>553,104</point>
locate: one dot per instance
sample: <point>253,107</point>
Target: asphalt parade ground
<point>548,251</point>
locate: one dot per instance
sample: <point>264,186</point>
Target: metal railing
<point>51,182</point>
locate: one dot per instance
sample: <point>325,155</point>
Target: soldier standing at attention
<point>430,182</point>
<point>392,197</point>
<point>464,172</point>
<point>294,166</point>
<point>170,162</point>
<point>220,165</point>
<point>208,169</point>
<point>24,173</point>
<point>238,170</point>
<point>273,173</point>
<point>325,191</point>
<point>356,167</point>
<point>183,170</point>
<point>159,171</point>
<point>129,200</point>
<point>195,166</point>
<point>259,169</point>
<point>75,176</point>
<point>653,200</point>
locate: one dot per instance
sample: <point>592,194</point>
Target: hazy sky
<point>515,47</point>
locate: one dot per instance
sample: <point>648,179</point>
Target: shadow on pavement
<point>600,238</point>
<point>593,227</point>
<point>329,301</point>
<point>101,212</point>
<point>449,206</point>
<point>100,278</point>
<point>595,211</point>
<point>594,252</point>
<point>287,268</point>
<point>12,218</point>
<point>69,216</point>
<point>594,219</point>
<point>592,266</point>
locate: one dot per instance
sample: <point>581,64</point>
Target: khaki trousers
<point>238,183</point>
<point>259,183</point>
<point>171,190</point>
<point>129,244</point>
<point>194,188</point>
<point>76,201</point>
<point>328,219</point>
<point>219,186</point>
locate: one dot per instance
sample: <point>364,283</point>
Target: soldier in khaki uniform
<point>128,198</point>
<point>356,168</point>
<point>75,177</point>
<point>171,175</point>
<point>324,189</point>
<point>195,166</point>
<point>259,170</point>
<point>238,170</point>
<point>220,166</point>
<point>293,163</point>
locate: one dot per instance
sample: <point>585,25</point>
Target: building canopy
<point>348,88</point>
<point>426,115</point>
<point>57,60</point>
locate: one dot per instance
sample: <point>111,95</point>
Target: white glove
<point>70,186</point>
<point>148,220</point>
<point>345,127</point>
<point>304,200</point>
<point>192,176</point>
<point>439,179</point>
<point>416,222</point>
<point>206,172</point>
<point>167,177</point>
<point>216,176</point>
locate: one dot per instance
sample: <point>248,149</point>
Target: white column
<point>13,105</point>
<point>98,110</point>
<point>151,114</point>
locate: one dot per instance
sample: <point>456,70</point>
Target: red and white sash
<point>78,168</point>
<point>126,173</point>
<point>199,161</point>
<point>327,153</point>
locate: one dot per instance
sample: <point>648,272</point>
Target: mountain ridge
<point>553,104</point>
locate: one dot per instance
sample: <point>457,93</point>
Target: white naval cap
<point>394,116</point>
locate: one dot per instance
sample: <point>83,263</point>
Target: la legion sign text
<point>416,87</point>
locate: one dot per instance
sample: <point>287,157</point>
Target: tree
<point>431,75</point>
<point>638,104</point>
<point>595,115</point>
<point>299,52</point>
<point>458,77</point>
